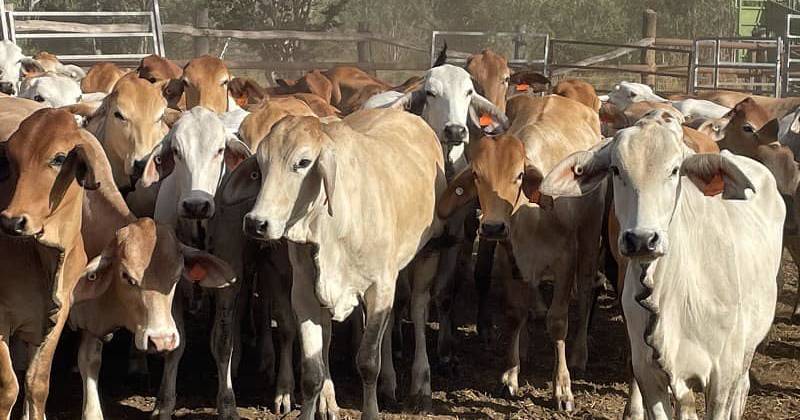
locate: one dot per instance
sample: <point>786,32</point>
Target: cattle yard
<point>195,222</point>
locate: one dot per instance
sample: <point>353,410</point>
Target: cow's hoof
<point>564,405</point>
<point>283,404</point>
<point>419,404</point>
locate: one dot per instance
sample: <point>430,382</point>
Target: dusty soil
<point>470,392</point>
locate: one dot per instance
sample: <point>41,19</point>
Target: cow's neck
<point>84,315</point>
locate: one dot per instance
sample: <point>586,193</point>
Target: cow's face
<point>205,83</point>
<point>51,90</point>
<point>133,115</point>
<point>294,162</point>
<point>501,179</point>
<point>646,163</point>
<point>43,159</point>
<point>10,67</point>
<point>138,272</point>
<point>626,93</point>
<point>491,75</point>
<point>196,152</point>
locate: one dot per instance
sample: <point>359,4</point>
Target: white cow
<point>700,290</point>
<point>699,108</point>
<point>190,163</point>
<point>626,93</point>
<point>356,201</point>
<point>52,90</point>
<point>10,66</point>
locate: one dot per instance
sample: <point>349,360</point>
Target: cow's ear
<point>78,166</point>
<point>159,164</point>
<point>779,159</point>
<point>236,151</point>
<point>243,184</point>
<point>206,270</point>
<point>768,133</point>
<point>94,280</point>
<point>525,80</point>
<point>171,116</point>
<point>326,164</point>
<point>413,102</point>
<point>172,90</point>
<point>716,173</point>
<point>579,174</point>
<point>487,116</point>
<point>5,165</point>
<point>30,68</point>
<point>460,191</point>
<point>531,181</point>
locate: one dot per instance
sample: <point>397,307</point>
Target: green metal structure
<point>764,17</point>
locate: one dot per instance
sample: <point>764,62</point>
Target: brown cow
<point>246,91</point>
<point>490,75</point>
<point>352,87</point>
<point>205,83</point>
<point>580,91</point>
<point>312,82</point>
<point>258,124</point>
<point>51,64</point>
<point>101,78</point>
<point>45,163</point>
<point>132,284</point>
<point>167,75</point>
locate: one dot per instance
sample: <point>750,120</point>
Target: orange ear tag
<point>197,273</point>
<point>715,186</point>
<point>241,101</point>
<point>522,87</point>
<point>486,120</point>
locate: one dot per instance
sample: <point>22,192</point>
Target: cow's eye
<point>302,164</point>
<point>675,171</point>
<point>520,176</point>
<point>38,98</point>
<point>151,79</point>
<point>224,82</point>
<point>176,153</point>
<point>470,92</point>
<point>431,94</point>
<point>118,115</point>
<point>220,151</point>
<point>128,279</point>
<point>507,80</point>
<point>747,128</point>
<point>58,160</point>
<point>632,94</point>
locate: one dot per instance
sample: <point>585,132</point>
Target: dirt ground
<point>469,392</point>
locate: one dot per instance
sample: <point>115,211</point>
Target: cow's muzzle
<point>7,88</point>
<point>255,227</point>
<point>197,205</point>
<point>641,243</point>
<point>493,231</point>
<point>455,134</point>
<point>164,342</point>
<point>15,225</point>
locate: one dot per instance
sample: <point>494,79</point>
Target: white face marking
<point>449,92</point>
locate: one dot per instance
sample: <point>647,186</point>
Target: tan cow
<point>51,64</point>
<point>312,82</point>
<point>258,124</point>
<point>578,90</point>
<point>45,163</point>
<point>167,75</point>
<point>205,83</point>
<point>504,174</point>
<point>101,78</point>
<point>351,87</point>
<point>12,111</point>
<point>491,75</point>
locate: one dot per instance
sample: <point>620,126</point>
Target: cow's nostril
<point>198,209</point>
<point>653,242</point>
<point>255,227</point>
<point>14,225</point>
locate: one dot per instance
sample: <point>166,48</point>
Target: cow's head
<point>10,67</point>
<point>51,89</point>
<point>448,101</point>
<point>165,74</point>
<point>490,75</point>
<point>205,83</point>
<point>626,93</point>
<point>137,272</point>
<point>502,179</point>
<point>245,91</point>
<point>132,124</point>
<point>296,165</point>
<point>46,160</point>
<point>646,163</point>
<point>196,151</point>
<point>51,64</point>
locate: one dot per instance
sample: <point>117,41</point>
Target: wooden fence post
<point>363,47</point>
<point>649,56</point>
<point>201,44</point>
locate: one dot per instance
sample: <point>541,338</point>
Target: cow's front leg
<point>387,386</point>
<point>378,301</point>
<point>9,388</point>
<point>165,403</point>
<point>518,298</point>
<point>222,343</point>
<point>37,379</point>
<point>280,288</point>
<point>557,323</point>
<point>422,272</point>
<point>90,357</point>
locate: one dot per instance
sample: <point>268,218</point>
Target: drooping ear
<point>283,83</point>
<point>326,164</point>
<point>460,191</point>
<point>83,109</point>
<point>768,133</point>
<point>716,173</point>
<point>236,151</point>
<point>413,102</point>
<point>159,164</point>
<point>486,115</point>
<point>712,128</point>
<point>204,269</point>
<point>531,181</point>
<point>579,174</point>
<point>242,184</point>
<point>173,90</point>
<point>72,71</point>
<point>95,279</point>
<point>30,68</point>
<point>441,59</point>
<point>77,166</point>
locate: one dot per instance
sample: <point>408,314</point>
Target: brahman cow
<point>578,90</point>
<point>43,166</point>
<point>101,78</point>
<point>205,83</point>
<point>689,322</point>
<point>10,67</point>
<point>167,75</point>
<point>313,182</point>
<point>52,64</point>
<point>564,240</point>
<point>131,285</point>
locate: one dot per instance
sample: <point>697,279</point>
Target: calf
<point>689,322</point>
<point>52,64</point>
<point>314,181</point>
<point>504,174</point>
<point>132,285</point>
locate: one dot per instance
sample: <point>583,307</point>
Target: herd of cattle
<point>339,196</point>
